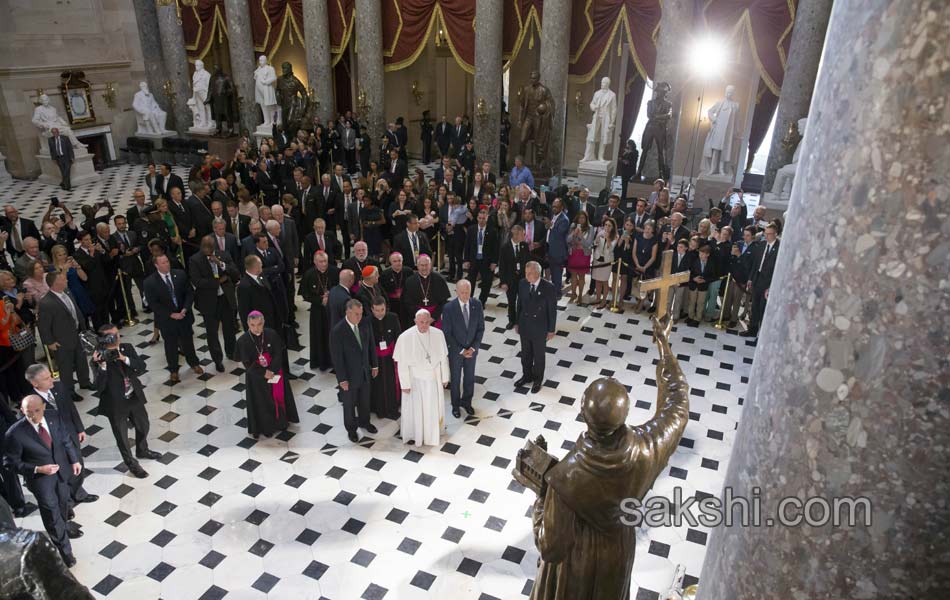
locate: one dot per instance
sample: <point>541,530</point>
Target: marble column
<point>369,67</point>
<point>176,67</point>
<point>319,72</point>
<point>243,61</point>
<point>808,37</point>
<point>146,19</point>
<point>848,391</point>
<point>677,27</point>
<point>555,53</point>
<point>488,79</point>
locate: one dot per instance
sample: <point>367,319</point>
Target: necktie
<point>532,289</point>
<point>125,239</point>
<point>356,332</point>
<point>465,314</point>
<point>44,435</point>
<point>69,305</point>
<point>768,249</point>
<point>221,244</point>
<point>415,245</point>
<point>51,399</point>
<point>277,246</point>
<point>59,146</point>
<point>481,241</point>
<point>320,242</point>
<point>17,241</point>
<point>171,289</point>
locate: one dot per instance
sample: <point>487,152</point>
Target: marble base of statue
<point>31,569</point>
<point>151,135</point>
<point>5,176</point>
<point>781,188</point>
<point>595,174</point>
<point>82,172</point>
<point>206,130</point>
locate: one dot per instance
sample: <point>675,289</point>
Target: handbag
<point>22,339</point>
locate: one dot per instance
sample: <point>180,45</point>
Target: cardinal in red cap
<point>369,289</point>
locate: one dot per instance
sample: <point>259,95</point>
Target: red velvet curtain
<point>201,24</point>
<point>600,25</point>
<point>522,25</point>
<point>631,105</point>
<point>768,25</point>
<point>762,114</point>
<point>407,25</point>
<point>274,22</point>
<point>340,20</point>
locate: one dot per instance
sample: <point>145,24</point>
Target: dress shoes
<point>73,532</point>
<point>219,367</point>
<point>138,471</point>
<point>456,412</point>
<point>749,333</point>
<point>69,560</point>
<point>353,437</point>
<point>536,387</point>
<point>88,498</point>
<point>174,378</point>
<point>24,510</point>
<point>371,429</point>
<point>197,370</point>
<point>469,410</point>
<point>521,382</point>
<point>149,454</point>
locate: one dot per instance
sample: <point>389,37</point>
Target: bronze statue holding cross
<point>663,283</point>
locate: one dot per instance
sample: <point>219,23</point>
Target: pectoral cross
<point>663,283</point>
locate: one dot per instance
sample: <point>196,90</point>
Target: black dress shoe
<point>88,498</point>
<point>73,532</point>
<point>138,471</point>
<point>353,437</point>
<point>371,429</point>
<point>219,367</point>
<point>750,333</point>
<point>536,387</point>
<point>70,514</point>
<point>469,410</point>
<point>69,560</point>
<point>456,413</point>
<point>88,386</point>
<point>521,382</point>
<point>149,454</point>
<point>24,510</point>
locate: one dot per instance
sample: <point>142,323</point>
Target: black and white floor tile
<point>309,515</point>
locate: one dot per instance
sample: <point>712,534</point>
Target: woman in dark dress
<point>371,222</point>
<point>399,212</point>
<point>269,406</point>
<point>384,390</point>
<point>624,252</point>
<point>315,289</point>
<point>645,253</point>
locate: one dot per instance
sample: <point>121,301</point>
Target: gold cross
<point>663,283</point>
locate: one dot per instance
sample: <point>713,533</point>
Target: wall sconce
<point>417,93</point>
<point>361,102</point>
<point>109,94</point>
<point>578,104</point>
<point>312,96</point>
<point>169,89</point>
<point>441,41</point>
<point>178,4</point>
<point>481,109</point>
<point>792,137</point>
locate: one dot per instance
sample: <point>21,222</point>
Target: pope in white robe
<point>422,361</point>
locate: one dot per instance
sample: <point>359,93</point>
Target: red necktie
<point>44,435</point>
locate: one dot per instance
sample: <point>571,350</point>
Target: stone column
<point>176,66</point>
<point>808,37</point>
<point>488,79</point>
<point>146,19</point>
<point>677,27</point>
<point>319,71</point>
<point>555,53</point>
<point>243,61</point>
<point>848,390</point>
<point>369,66</point>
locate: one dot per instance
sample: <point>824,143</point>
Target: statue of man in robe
<point>200,81</point>
<point>537,108</point>
<point>46,118</point>
<point>717,151</point>
<point>582,533</point>
<point>264,93</point>
<point>292,96</point>
<point>600,130</point>
<point>148,114</point>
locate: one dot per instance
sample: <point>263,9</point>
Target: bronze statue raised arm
<point>586,549</point>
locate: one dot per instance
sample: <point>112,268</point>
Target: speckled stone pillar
<point>488,78</point>
<point>243,61</point>
<point>369,65</point>
<point>555,52</point>
<point>319,72</point>
<point>848,391</point>
<point>149,37</point>
<point>176,66</point>
<point>677,28</point>
<point>801,70</point>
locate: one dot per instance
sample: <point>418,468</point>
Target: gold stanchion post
<point>725,296</point>
<point>616,307</point>
<point>52,365</point>
<point>129,321</point>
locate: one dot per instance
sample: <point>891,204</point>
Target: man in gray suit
<point>61,151</point>
<point>59,329</point>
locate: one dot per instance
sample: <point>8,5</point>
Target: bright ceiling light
<point>707,57</point>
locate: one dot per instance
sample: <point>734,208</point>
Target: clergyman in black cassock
<point>393,281</point>
<point>315,289</point>
<point>385,394</point>
<point>269,406</point>
<point>424,289</point>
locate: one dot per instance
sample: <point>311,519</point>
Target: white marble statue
<point>46,118</point>
<point>784,177</point>
<point>201,112</point>
<point>600,130</point>
<point>149,116</point>
<point>265,93</point>
<point>717,151</point>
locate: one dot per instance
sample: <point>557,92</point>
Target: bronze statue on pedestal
<point>586,549</point>
<point>221,99</point>
<point>292,98</point>
<point>537,109</point>
<point>659,113</point>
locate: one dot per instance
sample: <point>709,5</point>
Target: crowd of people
<point>370,248</point>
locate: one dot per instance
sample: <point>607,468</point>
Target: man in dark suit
<point>318,239</point>
<point>535,235</point>
<point>459,136</point>
<point>170,296</point>
<point>168,180</point>
<point>463,323</point>
<point>59,404</point>
<point>480,255</point>
<point>353,353</point>
<point>512,257</point>
<point>199,211</point>
<point>255,293</point>
<point>214,274</point>
<point>61,151</point>
<point>674,232</point>
<point>339,295</point>
<point>443,136</point>
<point>559,227</point>
<point>224,242</point>
<point>410,243</point>
<point>59,330</point>
<point>327,199</point>
<point>249,242</point>
<point>764,254</point>
<point>702,272</point>
<point>611,211</point>
<point>582,202</point>
<point>537,322</point>
<point>137,210</point>
<point>237,224</point>
<point>18,229</point>
<point>397,170</point>
<point>41,450</point>
<point>129,260</point>
<point>487,175</point>
<point>122,399</point>
<point>183,219</point>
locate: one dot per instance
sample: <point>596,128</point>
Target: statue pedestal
<point>210,129</point>
<point>262,133</point>
<point>711,187</point>
<point>595,174</point>
<point>4,174</point>
<point>81,172</point>
<point>156,136</point>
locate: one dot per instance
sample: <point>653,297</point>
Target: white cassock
<point>423,363</point>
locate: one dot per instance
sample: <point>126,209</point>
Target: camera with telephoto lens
<point>106,353</point>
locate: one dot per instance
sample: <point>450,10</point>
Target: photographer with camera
<point>121,399</point>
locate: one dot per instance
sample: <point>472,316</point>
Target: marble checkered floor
<point>309,515</point>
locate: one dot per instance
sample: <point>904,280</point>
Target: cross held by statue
<point>663,283</point>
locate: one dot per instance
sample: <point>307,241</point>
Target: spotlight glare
<point>707,57</point>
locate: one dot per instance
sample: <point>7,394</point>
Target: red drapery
<point>522,24</point>
<point>408,24</point>
<point>202,24</point>
<point>274,22</point>
<point>599,26</point>
<point>766,23</point>
<point>340,17</point>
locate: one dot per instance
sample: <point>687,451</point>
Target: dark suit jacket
<point>616,214</point>
<point>231,247</point>
<point>152,183</point>
<point>401,245</point>
<point>575,207</point>
<point>66,411</point>
<point>537,313</point>
<point>459,135</point>
<point>326,199</point>
<point>131,265</point>
<point>23,451</point>
<point>206,286</point>
<point>680,265</point>
<point>696,269</point>
<point>66,149</point>
<point>110,383</point>
<point>160,301</point>
<point>244,226</point>
<point>489,244</point>
<point>201,216</point>
<point>331,247</point>
<point>443,134</point>
<point>457,336</point>
<point>352,361</point>
<point>57,324</point>
<point>254,296</point>
<point>336,302</point>
<point>182,217</point>
<point>511,264</point>
<point>165,187</point>
<point>557,240</point>
<point>27,229</point>
<point>310,204</point>
<point>762,278</point>
<point>395,178</point>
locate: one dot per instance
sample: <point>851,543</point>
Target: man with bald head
<point>537,324</point>
<point>339,295</point>
<point>463,322</point>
